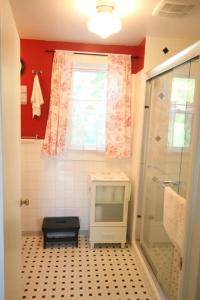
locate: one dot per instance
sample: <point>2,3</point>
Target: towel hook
<point>38,72</point>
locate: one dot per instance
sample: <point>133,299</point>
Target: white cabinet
<point>110,193</point>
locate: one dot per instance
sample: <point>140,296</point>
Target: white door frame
<point>10,163</point>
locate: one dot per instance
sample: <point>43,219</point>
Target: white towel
<point>174,217</point>
<point>36,97</point>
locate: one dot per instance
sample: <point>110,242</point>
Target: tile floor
<point>65,272</point>
<point>166,259</point>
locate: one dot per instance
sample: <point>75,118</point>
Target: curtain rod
<point>89,53</point>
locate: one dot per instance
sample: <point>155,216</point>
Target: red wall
<point>138,64</point>
<point>35,58</point>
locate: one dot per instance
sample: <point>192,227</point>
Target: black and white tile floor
<point>65,272</point>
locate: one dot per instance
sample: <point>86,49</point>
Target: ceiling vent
<point>174,8</point>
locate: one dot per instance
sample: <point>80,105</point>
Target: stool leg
<point>44,241</point>
<point>76,237</point>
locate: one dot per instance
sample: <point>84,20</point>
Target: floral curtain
<point>118,118</point>
<point>61,79</point>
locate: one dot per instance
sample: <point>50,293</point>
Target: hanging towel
<point>36,97</point>
<point>174,217</point>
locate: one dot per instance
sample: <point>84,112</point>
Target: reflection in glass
<point>181,106</point>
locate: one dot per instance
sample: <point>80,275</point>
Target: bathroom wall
<point>60,187</point>
<point>57,187</point>
<point>35,57</point>
<point>154,46</point>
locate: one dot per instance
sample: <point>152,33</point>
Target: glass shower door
<point>170,106</point>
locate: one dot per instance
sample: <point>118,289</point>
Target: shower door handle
<point>166,182</point>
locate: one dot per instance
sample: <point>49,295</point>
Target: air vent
<point>174,8</point>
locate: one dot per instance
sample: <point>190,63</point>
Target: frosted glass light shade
<point>104,24</point>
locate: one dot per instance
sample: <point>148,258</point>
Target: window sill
<point>73,155</point>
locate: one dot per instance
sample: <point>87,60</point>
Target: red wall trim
<point>35,58</point>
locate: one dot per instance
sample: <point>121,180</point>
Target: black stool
<point>60,229</point>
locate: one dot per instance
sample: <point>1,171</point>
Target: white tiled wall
<point>59,187</point>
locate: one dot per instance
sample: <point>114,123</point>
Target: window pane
<point>88,106</point>
<point>89,85</point>
<point>88,125</point>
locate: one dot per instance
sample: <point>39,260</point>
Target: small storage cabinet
<point>110,193</point>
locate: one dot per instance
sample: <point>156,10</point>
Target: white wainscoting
<point>59,187</point>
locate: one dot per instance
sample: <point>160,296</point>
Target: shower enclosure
<point>171,114</point>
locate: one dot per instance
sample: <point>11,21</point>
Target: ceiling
<point>66,20</point>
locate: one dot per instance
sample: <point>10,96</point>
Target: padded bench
<point>60,229</point>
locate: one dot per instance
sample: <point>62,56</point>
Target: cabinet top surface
<point>109,176</point>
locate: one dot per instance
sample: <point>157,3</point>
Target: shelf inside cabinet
<point>109,213</point>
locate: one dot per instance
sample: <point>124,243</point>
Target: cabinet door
<point>110,204</point>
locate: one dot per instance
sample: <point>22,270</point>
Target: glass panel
<point>109,203</point>
<point>88,125</point>
<point>182,97</point>
<point>88,110</point>
<point>91,85</point>
<point>191,125</point>
<point>167,153</point>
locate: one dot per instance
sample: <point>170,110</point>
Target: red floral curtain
<point>118,117</point>
<point>55,136</point>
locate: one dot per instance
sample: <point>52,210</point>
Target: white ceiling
<point>66,20</point>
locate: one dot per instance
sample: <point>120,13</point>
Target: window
<point>180,118</point>
<point>88,107</point>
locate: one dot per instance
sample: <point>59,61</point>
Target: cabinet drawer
<point>108,234</point>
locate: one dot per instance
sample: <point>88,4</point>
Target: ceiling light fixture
<point>105,22</point>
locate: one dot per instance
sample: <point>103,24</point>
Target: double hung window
<point>87,113</point>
